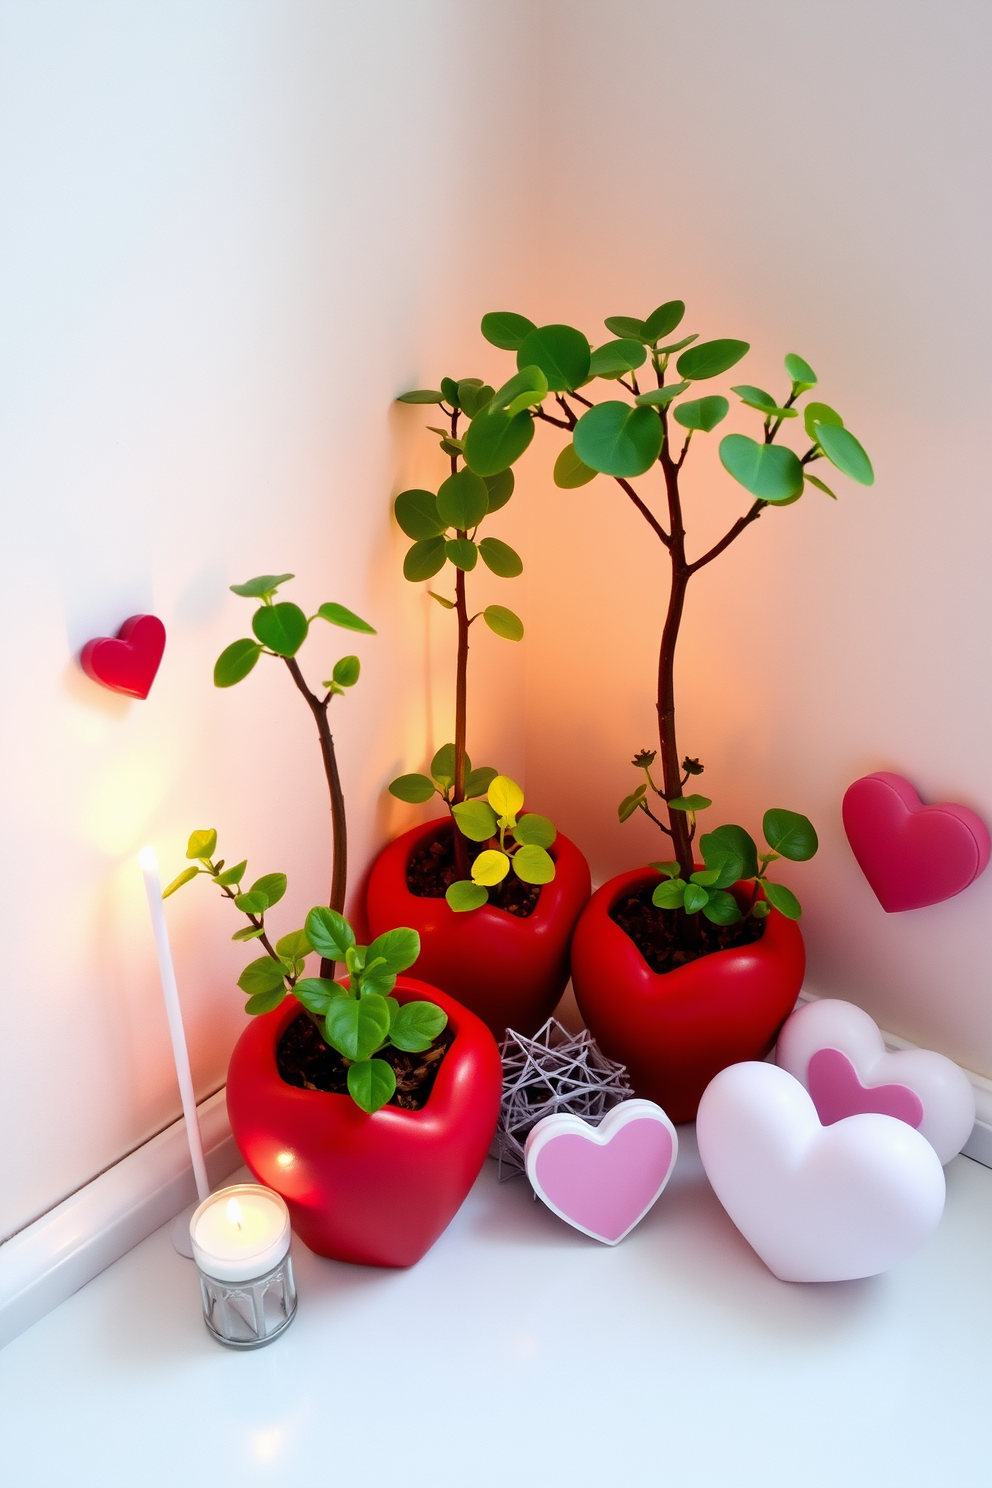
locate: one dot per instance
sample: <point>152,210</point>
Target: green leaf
<point>710,358</point>
<point>346,671</point>
<point>272,885</point>
<point>329,933</point>
<point>443,766</point>
<point>398,949</point>
<point>790,834</point>
<point>783,899</point>
<point>813,480</point>
<point>627,327</point>
<point>424,559</point>
<point>756,397</point>
<point>670,870</point>
<point>495,439</point>
<point>177,882</point>
<point>263,975</point>
<point>477,782</point>
<point>317,993</point>
<point>233,875</point>
<point>202,844</point>
<point>416,512</point>
<point>570,472</point>
<point>500,558</point>
<point>535,831</point>
<point>843,450</point>
<point>356,1027</point>
<point>505,797</point>
<point>473,394</point>
<point>490,867</point>
<point>506,330</point>
<point>723,860</point>
<point>525,388</point>
<point>735,840</point>
<point>462,552</point>
<point>561,352</point>
<point>722,908</point>
<point>670,894</point>
<point>695,898</point>
<point>463,500</point>
<point>662,322</point>
<point>800,371</point>
<point>465,895</point>
<point>500,488</point>
<point>630,803</point>
<point>820,413</point>
<point>446,604</point>
<point>690,803</point>
<point>504,622</point>
<point>475,820</point>
<point>675,346</point>
<point>420,395</point>
<point>281,627</point>
<point>702,413</point>
<point>657,397</point>
<point>251,903</point>
<point>371,1084</point>
<point>236,661</point>
<point>449,391</point>
<point>261,587</point>
<point>416,1026</point>
<point>339,614</point>
<point>615,358</point>
<point>760,908</point>
<point>769,471</point>
<point>295,946</point>
<point>265,1002</point>
<point>618,440</point>
<point>250,932</point>
<point>533,864</point>
<point>413,788</point>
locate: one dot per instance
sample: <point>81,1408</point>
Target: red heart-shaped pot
<point>129,663</point>
<point>675,1030</point>
<point>508,970</point>
<point>912,855</point>
<point>374,1189</point>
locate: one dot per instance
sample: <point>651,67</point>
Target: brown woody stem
<point>339,827</point>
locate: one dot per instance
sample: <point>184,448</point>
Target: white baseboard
<point>50,1259</point>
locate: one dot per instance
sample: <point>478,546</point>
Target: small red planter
<point>510,971</point>
<point>377,1190</point>
<point>676,1030</point>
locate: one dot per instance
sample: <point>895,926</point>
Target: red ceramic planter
<point>510,971</point>
<point>377,1190</point>
<point>676,1030</point>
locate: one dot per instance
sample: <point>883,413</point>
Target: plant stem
<point>339,827</point>
<point>462,867</point>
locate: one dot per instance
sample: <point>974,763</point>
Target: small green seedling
<point>358,1020</point>
<point>517,843</point>
<point>730,855</point>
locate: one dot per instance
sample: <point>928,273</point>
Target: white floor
<point>520,1353</point>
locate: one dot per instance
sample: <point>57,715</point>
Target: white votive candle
<point>240,1238</point>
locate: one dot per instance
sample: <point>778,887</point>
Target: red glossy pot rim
<point>407,989</point>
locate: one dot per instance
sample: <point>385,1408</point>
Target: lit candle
<point>153,887</point>
<point>241,1240</point>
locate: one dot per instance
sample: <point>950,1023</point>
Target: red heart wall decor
<point>911,854</point>
<point>128,663</point>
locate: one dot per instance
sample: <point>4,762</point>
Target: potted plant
<point>682,967</point>
<point>369,1103</point>
<point>493,891</point>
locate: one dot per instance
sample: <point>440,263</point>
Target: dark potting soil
<point>658,933</point>
<point>431,870</point>
<point>304,1060</point>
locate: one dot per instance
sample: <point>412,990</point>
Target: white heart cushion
<point>817,1203</point>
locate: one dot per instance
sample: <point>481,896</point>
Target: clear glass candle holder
<point>241,1245</point>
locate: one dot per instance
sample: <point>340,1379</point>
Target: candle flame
<point>234,1212</point>
<point>147,859</point>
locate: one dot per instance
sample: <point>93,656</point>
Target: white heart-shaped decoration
<point>817,1203</point>
<point>602,1179</point>
<point>836,1051</point>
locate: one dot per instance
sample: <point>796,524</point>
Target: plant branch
<point>729,537</point>
<point>645,512</point>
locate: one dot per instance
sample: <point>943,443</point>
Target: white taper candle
<point>170,992</point>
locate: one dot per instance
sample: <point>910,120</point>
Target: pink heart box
<point>912,855</point>
<point>603,1180</point>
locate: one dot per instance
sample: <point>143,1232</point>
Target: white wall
<point>809,178</point>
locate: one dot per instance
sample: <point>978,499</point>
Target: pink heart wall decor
<point>836,1051</point>
<point>129,662</point>
<point>817,1203</point>
<point>911,854</point>
<point>603,1179</point>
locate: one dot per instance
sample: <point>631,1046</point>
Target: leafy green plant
<point>624,438</point>
<point>514,843</point>
<point>445,529</point>
<point>359,1020</point>
<point>280,629</point>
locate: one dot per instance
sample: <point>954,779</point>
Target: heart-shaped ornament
<point>817,1203</point>
<point>911,854</point>
<point>603,1179</point>
<point>836,1051</point>
<point>129,662</point>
